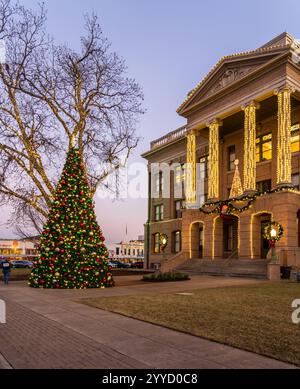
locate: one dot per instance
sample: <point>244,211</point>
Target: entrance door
<point>197,240</point>
<point>201,240</point>
<point>230,237</point>
<point>264,246</point>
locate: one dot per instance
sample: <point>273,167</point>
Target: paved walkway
<point>48,329</point>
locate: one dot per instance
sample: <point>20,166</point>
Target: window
<point>231,157</point>
<point>138,252</point>
<point>263,186</point>
<point>125,252</point>
<point>264,147</point>
<point>117,250</point>
<point>295,138</point>
<point>155,266</point>
<point>129,251</point>
<point>295,180</point>
<point>178,206</point>
<point>159,182</point>
<point>159,212</point>
<point>179,174</point>
<point>157,243</point>
<point>133,251</point>
<point>177,241</point>
<point>179,178</point>
<point>203,167</point>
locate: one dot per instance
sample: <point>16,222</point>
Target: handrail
<point>169,137</point>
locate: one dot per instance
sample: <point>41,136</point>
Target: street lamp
<point>273,234</point>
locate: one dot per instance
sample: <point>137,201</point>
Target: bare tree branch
<point>52,96</point>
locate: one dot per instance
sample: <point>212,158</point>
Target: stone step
<point>226,267</point>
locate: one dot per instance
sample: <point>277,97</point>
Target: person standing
<point>6,271</point>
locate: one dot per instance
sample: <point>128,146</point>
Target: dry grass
<point>255,318</point>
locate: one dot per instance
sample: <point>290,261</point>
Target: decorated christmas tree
<point>72,253</point>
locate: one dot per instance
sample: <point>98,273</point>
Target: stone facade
<point>268,80</point>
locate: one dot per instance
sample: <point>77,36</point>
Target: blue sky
<point>168,45</point>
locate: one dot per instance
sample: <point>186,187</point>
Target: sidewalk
<point>46,329</point>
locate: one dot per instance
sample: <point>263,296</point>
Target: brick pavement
<point>47,329</point>
<point>29,340</point>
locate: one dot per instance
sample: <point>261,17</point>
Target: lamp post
<point>273,234</point>
<point>163,244</point>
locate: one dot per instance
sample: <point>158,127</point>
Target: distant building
<point>18,249</point>
<point>131,251</point>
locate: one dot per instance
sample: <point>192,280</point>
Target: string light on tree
<point>236,187</point>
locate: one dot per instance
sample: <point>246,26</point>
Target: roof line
<point>221,60</point>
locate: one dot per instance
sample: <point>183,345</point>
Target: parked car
<point>21,264</point>
<point>112,264</point>
<point>137,265</point>
<point>122,265</point>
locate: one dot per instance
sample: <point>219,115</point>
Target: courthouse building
<point>238,159</point>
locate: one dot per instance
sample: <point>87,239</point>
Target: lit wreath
<point>267,231</point>
<point>163,241</point>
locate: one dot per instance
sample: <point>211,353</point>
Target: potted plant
<point>296,274</point>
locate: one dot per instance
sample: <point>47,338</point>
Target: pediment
<point>226,76</point>
<point>228,71</point>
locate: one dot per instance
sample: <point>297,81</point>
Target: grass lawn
<point>255,317</point>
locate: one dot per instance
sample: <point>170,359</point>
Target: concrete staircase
<point>249,268</point>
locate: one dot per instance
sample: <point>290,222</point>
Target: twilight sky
<point>168,45</point>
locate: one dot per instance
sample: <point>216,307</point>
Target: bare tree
<point>52,97</point>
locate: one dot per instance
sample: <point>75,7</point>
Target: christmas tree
<point>72,253</point>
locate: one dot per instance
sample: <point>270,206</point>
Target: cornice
<point>273,63</point>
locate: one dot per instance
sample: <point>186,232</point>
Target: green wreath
<point>163,241</point>
<point>273,226</point>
